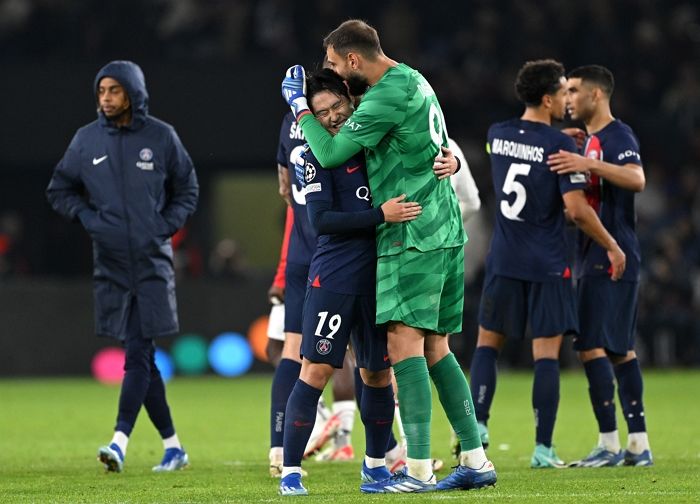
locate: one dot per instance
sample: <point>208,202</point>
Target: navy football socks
<point>286,375</point>
<point>157,406</point>
<point>359,388</point>
<point>299,421</point>
<point>630,388</point>
<point>545,399</point>
<point>601,389</point>
<point>377,413</point>
<point>482,376</point>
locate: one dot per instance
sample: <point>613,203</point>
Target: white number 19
<point>333,324</point>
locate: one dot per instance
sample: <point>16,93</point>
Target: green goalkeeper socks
<point>415,404</point>
<point>456,400</point>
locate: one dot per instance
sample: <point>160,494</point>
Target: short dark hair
<point>354,35</point>
<point>597,75</point>
<point>325,80</point>
<point>536,79</point>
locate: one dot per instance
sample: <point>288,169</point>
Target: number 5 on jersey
<point>333,324</point>
<point>510,185</point>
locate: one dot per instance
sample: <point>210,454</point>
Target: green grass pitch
<point>50,430</point>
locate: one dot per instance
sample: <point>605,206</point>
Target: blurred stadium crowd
<point>470,51</point>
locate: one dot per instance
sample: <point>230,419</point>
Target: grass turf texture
<point>50,430</point>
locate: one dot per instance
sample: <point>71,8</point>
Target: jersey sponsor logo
<point>96,161</point>
<point>295,132</point>
<point>629,154</point>
<point>352,169</point>
<point>313,188</point>
<point>517,150</point>
<point>577,178</point>
<point>353,125</point>
<point>144,165</point>
<point>309,172</point>
<point>146,154</point>
<point>323,346</point>
<point>363,193</point>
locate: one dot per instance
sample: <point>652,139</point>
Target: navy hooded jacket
<point>131,188</point>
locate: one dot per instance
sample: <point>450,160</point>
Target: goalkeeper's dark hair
<point>597,75</point>
<point>325,80</point>
<point>536,79</point>
<point>354,35</point>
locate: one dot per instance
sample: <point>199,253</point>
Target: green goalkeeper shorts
<point>424,290</point>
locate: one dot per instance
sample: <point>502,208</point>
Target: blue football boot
<point>375,474</point>
<point>640,460</point>
<point>466,478</point>
<point>112,457</point>
<point>400,482</point>
<point>600,457</point>
<point>173,459</point>
<point>291,485</point>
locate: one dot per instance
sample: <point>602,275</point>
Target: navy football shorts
<point>508,305</point>
<point>333,320</point>
<point>296,276</point>
<point>608,314</point>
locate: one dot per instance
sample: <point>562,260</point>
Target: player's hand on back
<point>567,162</point>
<point>577,134</point>
<point>445,164</point>
<point>396,210</point>
<point>618,261</point>
<point>294,89</point>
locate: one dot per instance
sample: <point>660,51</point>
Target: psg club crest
<point>324,347</point>
<point>309,173</point>
<point>146,154</point>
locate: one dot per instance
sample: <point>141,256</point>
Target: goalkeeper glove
<point>294,90</point>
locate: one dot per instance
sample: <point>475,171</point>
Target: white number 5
<point>510,186</point>
<point>333,324</point>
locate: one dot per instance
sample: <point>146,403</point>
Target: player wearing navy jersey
<point>340,301</point>
<point>528,280</point>
<point>608,308</point>
<point>284,349</point>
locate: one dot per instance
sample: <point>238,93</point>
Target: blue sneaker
<point>400,482</point>
<point>600,457</point>
<point>466,478</point>
<point>174,459</point>
<point>375,474</point>
<point>291,485</point>
<point>545,457</point>
<point>639,460</point>
<point>112,457</point>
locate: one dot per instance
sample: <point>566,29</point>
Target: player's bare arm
<point>583,215</point>
<point>283,178</point>
<point>446,164</point>
<point>629,176</point>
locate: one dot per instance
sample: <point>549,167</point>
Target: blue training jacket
<point>131,188</point>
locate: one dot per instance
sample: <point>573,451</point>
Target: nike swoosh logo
<point>96,161</point>
<point>352,169</point>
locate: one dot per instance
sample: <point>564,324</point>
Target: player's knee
<point>621,359</point>
<point>376,379</point>
<point>589,355</point>
<point>316,375</point>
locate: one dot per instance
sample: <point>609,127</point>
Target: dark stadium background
<point>213,69</point>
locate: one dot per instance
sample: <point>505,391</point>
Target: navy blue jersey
<point>528,240</point>
<point>302,240</point>
<point>345,262</point>
<point>616,144</point>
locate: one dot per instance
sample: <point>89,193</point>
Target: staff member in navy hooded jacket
<point>131,184</point>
